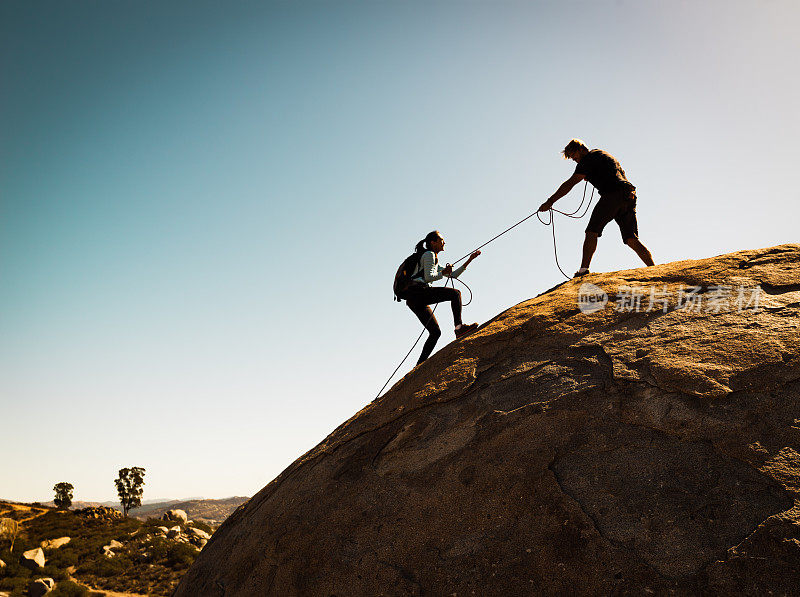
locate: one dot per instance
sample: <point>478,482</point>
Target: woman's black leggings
<point>418,301</point>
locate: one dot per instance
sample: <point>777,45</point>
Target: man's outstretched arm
<point>565,188</point>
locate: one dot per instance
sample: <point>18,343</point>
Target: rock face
<point>607,445</point>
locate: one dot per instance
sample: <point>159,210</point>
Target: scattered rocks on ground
<point>162,530</point>
<point>55,543</point>
<point>108,549</point>
<point>33,559</point>
<point>102,512</point>
<point>174,532</point>
<point>2,564</point>
<point>41,586</point>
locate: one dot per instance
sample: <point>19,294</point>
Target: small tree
<point>63,495</point>
<point>129,487</point>
<point>9,529</point>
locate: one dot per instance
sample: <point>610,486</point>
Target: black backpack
<point>403,279</point>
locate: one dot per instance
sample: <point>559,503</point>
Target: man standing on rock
<point>617,200</point>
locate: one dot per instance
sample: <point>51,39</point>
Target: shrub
<point>13,568</point>
<point>62,558</point>
<point>16,586</point>
<point>106,567</point>
<point>52,572</point>
<point>67,588</point>
<point>199,524</point>
<point>180,556</point>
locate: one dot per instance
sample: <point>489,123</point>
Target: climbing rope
<point>572,215</point>
<point>424,329</point>
<point>551,222</point>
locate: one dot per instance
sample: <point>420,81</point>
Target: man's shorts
<point>619,206</point>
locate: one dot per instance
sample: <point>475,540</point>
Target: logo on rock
<point>591,298</point>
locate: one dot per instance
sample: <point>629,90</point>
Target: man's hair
<point>573,146</point>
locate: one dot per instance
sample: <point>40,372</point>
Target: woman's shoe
<point>466,330</point>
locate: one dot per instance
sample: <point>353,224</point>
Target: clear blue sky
<point>202,204</point>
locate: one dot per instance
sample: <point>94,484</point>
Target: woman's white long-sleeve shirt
<point>429,269</point>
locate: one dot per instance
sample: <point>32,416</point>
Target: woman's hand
<point>471,257</point>
<point>448,270</point>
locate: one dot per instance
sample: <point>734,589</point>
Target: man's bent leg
<point>634,243</point>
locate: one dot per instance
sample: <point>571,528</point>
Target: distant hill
<point>213,512</point>
<point>77,505</point>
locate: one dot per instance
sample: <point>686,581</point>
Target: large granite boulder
<point>33,559</point>
<point>635,432</point>
<point>55,543</point>
<point>199,533</point>
<point>40,587</point>
<point>198,537</point>
<point>175,515</point>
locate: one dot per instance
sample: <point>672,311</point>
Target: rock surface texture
<point>650,446</point>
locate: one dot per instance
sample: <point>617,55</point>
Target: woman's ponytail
<point>425,243</point>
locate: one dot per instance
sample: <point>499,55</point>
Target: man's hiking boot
<point>466,329</point>
<point>581,272</point>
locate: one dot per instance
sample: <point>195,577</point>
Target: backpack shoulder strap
<point>418,264</point>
